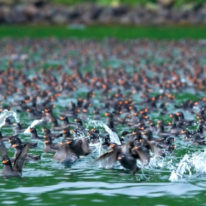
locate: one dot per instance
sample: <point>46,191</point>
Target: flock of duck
<point>137,100</point>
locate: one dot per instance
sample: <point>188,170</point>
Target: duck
<point>34,113</point>
<point>128,161</point>
<point>135,135</point>
<point>47,132</point>
<point>65,121</point>
<point>65,155</point>
<point>13,169</point>
<point>13,139</point>
<point>18,146</point>
<point>66,133</point>
<point>71,150</point>
<point>49,146</point>
<point>121,153</point>
<point>79,146</point>
<point>34,134</point>
<point>106,141</point>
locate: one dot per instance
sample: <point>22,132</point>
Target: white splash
<point>79,135</point>
<point>33,124</point>
<point>183,167</point>
<point>189,163</point>
<point>198,161</point>
<point>98,147</point>
<point>113,136</point>
<point>5,114</point>
<point>157,162</point>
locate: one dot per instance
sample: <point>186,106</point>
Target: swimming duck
<point>49,146</point>
<point>18,146</point>
<point>34,134</point>
<point>15,139</point>
<point>47,132</point>
<point>121,153</point>
<point>65,121</point>
<point>65,155</point>
<point>13,169</point>
<point>128,161</point>
<point>71,150</point>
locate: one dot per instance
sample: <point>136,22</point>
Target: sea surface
<point>178,179</point>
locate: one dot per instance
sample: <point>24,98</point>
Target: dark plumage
<point>13,169</point>
<point>71,150</point>
<point>34,134</point>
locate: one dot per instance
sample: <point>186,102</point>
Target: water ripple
<point>107,189</point>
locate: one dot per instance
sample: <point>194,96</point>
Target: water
<point>165,181</point>
<point>178,179</point>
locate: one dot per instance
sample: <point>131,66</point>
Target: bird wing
<point>155,148</point>
<point>109,157</point>
<point>65,155</point>
<point>144,157</point>
<point>20,159</point>
<point>3,149</point>
<point>70,157</point>
<point>60,154</point>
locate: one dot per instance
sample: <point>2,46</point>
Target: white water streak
<point>33,124</point>
<point>113,136</point>
<point>5,114</point>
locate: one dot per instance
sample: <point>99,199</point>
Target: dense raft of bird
<point>125,97</point>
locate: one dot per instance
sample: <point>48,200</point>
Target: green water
<point>102,32</point>
<point>48,183</point>
<point>86,183</point>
